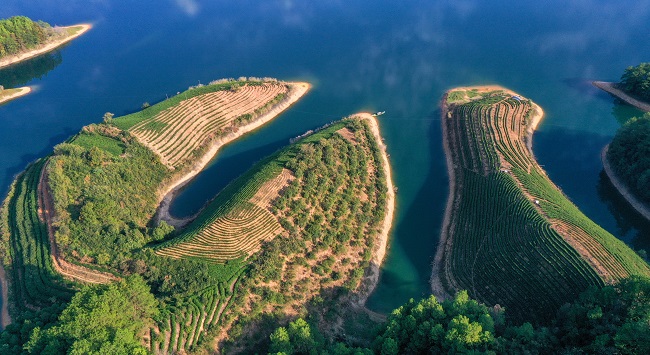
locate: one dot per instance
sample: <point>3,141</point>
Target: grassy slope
<point>504,250</point>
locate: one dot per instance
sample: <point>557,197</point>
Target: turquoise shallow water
<point>363,55</point>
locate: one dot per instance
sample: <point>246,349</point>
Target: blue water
<point>397,56</point>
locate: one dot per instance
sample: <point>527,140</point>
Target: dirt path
<point>5,319</point>
<point>21,92</point>
<point>611,88</point>
<point>48,47</point>
<point>372,277</point>
<point>68,270</point>
<point>297,90</point>
<point>622,188</point>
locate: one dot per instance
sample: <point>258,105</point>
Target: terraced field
<point>510,236</point>
<point>35,283</point>
<point>240,232</point>
<point>175,134</point>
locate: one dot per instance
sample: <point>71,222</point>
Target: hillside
<point>510,237</point>
<point>308,220</point>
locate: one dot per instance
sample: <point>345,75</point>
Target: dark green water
<point>397,56</point>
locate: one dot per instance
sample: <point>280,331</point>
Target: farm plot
<point>177,133</point>
<point>513,238</point>
<point>35,282</point>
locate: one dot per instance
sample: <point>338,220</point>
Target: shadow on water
<point>634,229</point>
<point>24,72</point>
<point>222,170</point>
<point>393,290</point>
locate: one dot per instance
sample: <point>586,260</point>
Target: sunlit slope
<point>178,129</point>
<point>279,196</point>
<point>513,238</point>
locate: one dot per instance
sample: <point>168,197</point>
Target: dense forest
<point>629,155</point>
<point>19,33</point>
<point>636,81</point>
<point>608,320</point>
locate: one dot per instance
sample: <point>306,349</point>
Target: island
<point>7,95</point>
<point>22,39</point>
<point>307,225</point>
<point>510,236</point>
<point>634,87</point>
<point>625,161</point>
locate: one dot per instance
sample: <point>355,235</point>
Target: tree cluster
<point>100,319</point>
<point>19,33</point>
<point>609,320</point>
<point>629,155</point>
<point>636,81</point>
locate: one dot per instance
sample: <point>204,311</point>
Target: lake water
<point>397,56</point>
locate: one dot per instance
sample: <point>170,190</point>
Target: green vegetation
<point>99,320</point>
<point>104,186</point>
<point>128,121</point>
<point>322,220</point>
<point>636,81</point>
<point>629,155</point>
<point>607,320</point>
<point>511,244</point>
<point>19,34</point>
<point>34,281</point>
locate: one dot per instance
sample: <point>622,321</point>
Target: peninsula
<point>509,233</point>
<point>54,38</point>
<point>7,95</point>
<point>633,87</point>
<point>312,217</point>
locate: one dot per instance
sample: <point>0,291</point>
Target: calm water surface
<point>397,56</point>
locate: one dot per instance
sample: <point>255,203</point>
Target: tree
<point>104,319</point>
<point>636,81</point>
<point>458,325</point>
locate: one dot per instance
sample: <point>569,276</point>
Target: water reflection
<point>633,228</point>
<point>24,72</point>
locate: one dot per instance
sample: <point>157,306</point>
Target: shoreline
<point>610,88</point>
<point>166,197</point>
<point>22,92</point>
<point>435,281</point>
<point>371,279</point>
<point>621,188</point>
<point>444,243</point>
<point>47,47</point>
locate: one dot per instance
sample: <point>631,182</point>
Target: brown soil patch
<point>271,189</point>
<point>347,134</point>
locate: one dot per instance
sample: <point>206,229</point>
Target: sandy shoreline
<point>372,278</point>
<point>48,47</point>
<point>444,243</point>
<point>22,92</point>
<point>297,90</point>
<point>611,89</point>
<point>622,189</point>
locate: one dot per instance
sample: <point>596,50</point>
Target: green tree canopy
<point>636,81</point>
<point>105,319</point>
<point>629,155</point>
